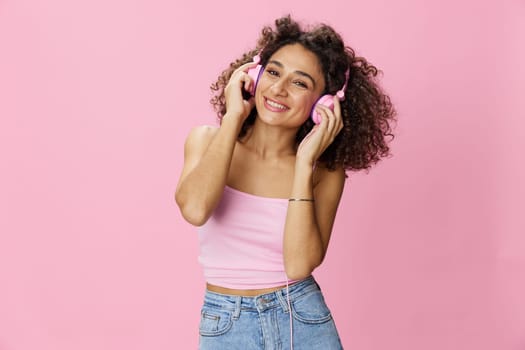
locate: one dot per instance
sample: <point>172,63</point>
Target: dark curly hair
<point>366,110</point>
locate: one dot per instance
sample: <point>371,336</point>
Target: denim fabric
<point>263,322</point>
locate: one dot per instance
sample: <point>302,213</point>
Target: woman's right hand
<point>239,80</point>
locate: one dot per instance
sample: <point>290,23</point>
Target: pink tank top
<point>241,244</point>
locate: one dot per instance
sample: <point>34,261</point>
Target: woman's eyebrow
<point>300,72</point>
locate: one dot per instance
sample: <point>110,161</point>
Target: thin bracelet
<point>300,200</point>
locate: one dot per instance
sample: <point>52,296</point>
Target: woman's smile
<point>274,106</point>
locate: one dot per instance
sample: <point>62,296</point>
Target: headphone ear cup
<point>325,100</point>
<point>255,73</point>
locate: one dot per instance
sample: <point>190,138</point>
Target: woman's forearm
<point>303,246</point>
<point>200,191</point>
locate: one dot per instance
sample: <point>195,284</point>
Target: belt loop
<point>237,311</point>
<point>282,299</point>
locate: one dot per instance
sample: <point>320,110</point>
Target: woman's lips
<point>274,106</point>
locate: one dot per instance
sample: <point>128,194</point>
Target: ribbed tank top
<point>241,244</point>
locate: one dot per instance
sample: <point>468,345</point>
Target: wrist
<point>232,120</point>
<point>304,166</point>
<point>303,181</point>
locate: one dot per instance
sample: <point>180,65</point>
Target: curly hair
<point>366,110</point>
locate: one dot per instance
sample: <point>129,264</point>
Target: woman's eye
<point>272,72</point>
<point>301,84</point>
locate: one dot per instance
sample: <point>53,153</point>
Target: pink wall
<point>96,98</point>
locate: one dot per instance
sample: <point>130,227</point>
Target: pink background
<point>96,98</point>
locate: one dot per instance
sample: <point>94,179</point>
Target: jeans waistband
<point>261,302</point>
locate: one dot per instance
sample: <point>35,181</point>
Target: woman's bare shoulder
<point>203,132</point>
<point>200,136</point>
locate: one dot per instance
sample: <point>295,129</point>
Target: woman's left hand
<point>321,135</point>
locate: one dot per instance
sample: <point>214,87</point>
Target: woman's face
<point>291,83</point>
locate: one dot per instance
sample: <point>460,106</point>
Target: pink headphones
<point>325,100</point>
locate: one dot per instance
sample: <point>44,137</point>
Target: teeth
<point>275,104</point>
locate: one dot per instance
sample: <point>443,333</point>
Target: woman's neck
<point>270,141</point>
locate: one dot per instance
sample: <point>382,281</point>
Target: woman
<point>264,187</point>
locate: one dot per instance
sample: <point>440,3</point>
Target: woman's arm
<point>207,157</point>
<point>309,223</point>
<point>208,153</point>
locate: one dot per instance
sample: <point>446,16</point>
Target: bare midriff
<point>242,292</point>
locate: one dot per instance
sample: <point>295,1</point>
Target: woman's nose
<point>279,87</point>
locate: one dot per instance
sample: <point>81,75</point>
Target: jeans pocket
<point>214,322</point>
<point>311,308</point>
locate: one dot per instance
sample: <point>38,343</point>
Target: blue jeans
<point>230,322</point>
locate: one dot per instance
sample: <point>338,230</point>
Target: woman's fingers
<point>248,82</point>
<point>241,78</point>
<point>237,101</point>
